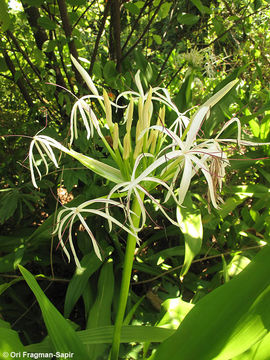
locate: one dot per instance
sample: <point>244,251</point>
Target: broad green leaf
<point>218,25</point>
<point>140,4</point>
<point>62,335</point>
<point>237,264</point>
<point>235,316</point>
<point>190,223</point>
<point>255,127</point>
<point>9,262</point>
<point>97,70</point>
<point>9,203</point>
<point>188,19</point>
<point>49,45</point>
<point>164,9</point>
<point>3,65</point>
<point>157,39</point>
<point>109,71</point>
<point>90,264</point>
<point>103,301</point>
<point>76,2</point>
<point>202,8</point>
<point>36,3</point>
<point>4,16</point>
<point>132,8</point>
<point>176,310</point>
<point>46,23</point>
<point>162,255</point>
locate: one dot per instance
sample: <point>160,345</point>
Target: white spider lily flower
<point>135,188</point>
<point>45,143</point>
<point>89,118</point>
<point>67,217</point>
<point>189,158</point>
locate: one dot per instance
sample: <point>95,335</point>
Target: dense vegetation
<point>144,206</point>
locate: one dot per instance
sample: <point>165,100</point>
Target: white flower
<point>45,143</point>
<point>67,217</point>
<point>135,188</point>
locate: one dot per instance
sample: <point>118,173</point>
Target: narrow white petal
<point>139,84</point>
<point>31,162</point>
<point>85,76</point>
<point>186,179</point>
<point>195,126</point>
<point>77,262</point>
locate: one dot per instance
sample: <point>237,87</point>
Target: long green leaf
<point>259,351</point>
<point>63,337</point>
<point>104,335</point>
<point>190,223</point>
<point>228,321</point>
<point>90,264</point>
<point>9,340</point>
<point>100,313</point>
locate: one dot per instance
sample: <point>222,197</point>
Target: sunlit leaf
<point>241,304</point>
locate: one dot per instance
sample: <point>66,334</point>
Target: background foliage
<point>189,47</point>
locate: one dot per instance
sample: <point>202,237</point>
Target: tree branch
<point>19,82</point>
<point>100,31</point>
<point>68,32</point>
<point>232,26</point>
<point>116,22</point>
<point>18,47</point>
<point>82,15</point>
<point>136,22</point>
<point>144,32</point>
<point>40,37</point>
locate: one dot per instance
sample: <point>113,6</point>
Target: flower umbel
<point>151,154</point>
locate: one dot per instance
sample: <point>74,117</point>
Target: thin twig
<point>100,31</point>
<point>80,17</point>
<point>193,262</point>
<point>134,26</point>
<point>38,277</point>
<point>144,32</point>
<point>232,26</point>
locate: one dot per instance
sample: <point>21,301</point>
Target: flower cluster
<point>152,155</point>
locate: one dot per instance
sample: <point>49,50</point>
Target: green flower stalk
<point>154,155</point>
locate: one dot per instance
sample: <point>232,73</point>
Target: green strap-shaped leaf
<point>90,264</point>
<point>100,313</point>
<point>190,223</point>
<point>104,335</point>
<point>259,351</point>
<point>63,337</point>
<point>228,321</point>
<point>9,340</point>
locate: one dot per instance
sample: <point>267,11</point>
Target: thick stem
<point>128,263</point>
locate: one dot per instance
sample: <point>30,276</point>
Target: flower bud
<point>108,109</point>
<point>115,136</point>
